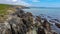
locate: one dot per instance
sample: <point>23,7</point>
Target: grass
<point>4,8</point>
<point>3,11</point>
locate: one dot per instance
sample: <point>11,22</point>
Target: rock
<point>56,20</point>
<point>5,28</point>
<point>52,21</point>
<point>20,13</point>
<point>17,25</point>
<point>58,25</point>
<point>54,33</point>
<point>29,14</point>
<point>40,31</point>
<point>38,18</point>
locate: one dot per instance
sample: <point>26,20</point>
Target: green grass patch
<point>4,6</point>
<point>3,11</point>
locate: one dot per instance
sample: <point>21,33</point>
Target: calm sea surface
<point>46,11</point>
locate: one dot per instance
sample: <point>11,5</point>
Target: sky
<point>33,3</point>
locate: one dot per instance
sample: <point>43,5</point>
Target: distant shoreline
<point>47,7</point>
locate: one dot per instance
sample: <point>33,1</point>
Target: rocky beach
<point>20,22</point>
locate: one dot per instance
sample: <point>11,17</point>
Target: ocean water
<point>48,13</point>
<point>53,12</point>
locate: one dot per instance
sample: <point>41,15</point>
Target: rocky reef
<point>21,22</point>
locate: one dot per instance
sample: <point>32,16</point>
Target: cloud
<point>20,2</point>
<point>14,0</point>
<point>17,2</point>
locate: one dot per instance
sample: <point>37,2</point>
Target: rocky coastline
<point>21,22</point>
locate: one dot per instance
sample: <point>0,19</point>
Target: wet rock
<point>49,16</point>
<point>40,31</point>
<point>38,18</point>
<point>46,25</point>
<point>55,33</point>
<point>52,21</point>
<point>56,20</point>
<point>58,25</point>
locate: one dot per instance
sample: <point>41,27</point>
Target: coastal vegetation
<point>3,11</point>
<point>4,8</point>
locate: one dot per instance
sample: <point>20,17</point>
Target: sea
<point>51,13</point>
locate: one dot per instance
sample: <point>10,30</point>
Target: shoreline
<point>21,22</point>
